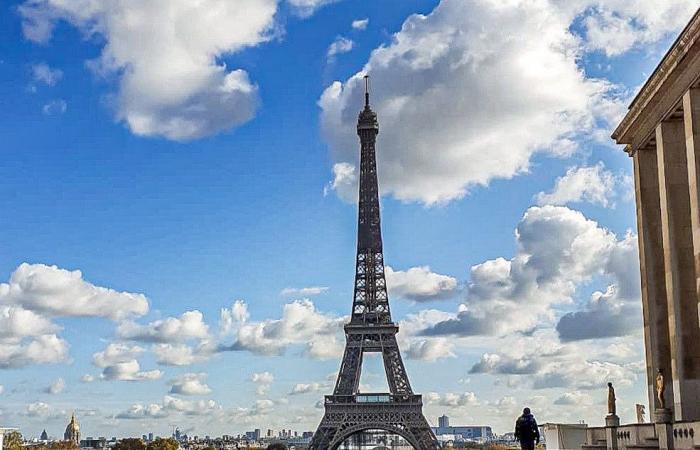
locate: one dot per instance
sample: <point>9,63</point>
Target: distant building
<point>44,436</point>
<point>473,433</point>
<point>150,437</point>
<point>72,433</point>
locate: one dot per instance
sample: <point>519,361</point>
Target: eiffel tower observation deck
<point>371,330</point>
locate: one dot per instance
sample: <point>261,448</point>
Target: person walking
<point>526,430</point>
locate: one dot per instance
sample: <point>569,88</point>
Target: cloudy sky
<point>178,227</point>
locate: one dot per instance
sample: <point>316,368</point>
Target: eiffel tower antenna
<point>371,329</point>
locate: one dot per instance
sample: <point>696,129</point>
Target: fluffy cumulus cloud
<point>140,411</point>
<point>263,381</point>
<point>172,329</point>
<point>429,349</point>
<point>45,349</point>
<point>499,364</point>
<point>452,399</point>
<point>167,58</point>
<point>300,324</point>
<point>616,26</point>
<point>58,292</point>
<point>477,81</point>
<point>119,362</point>
<point>592,184</point>
<point>190,384</point>
<point>339,45</point>
<point>558,250</point>
<point>420,284</point>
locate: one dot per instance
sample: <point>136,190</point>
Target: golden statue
<point>660,389</point>
<point>612,409</point>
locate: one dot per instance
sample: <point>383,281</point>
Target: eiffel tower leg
<point>349,376</point>
<point>393,365</point>
<point>323,435</point>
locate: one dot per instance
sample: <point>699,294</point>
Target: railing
<point>370,398</point>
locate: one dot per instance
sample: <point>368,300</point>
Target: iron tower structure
<point>371,330</point>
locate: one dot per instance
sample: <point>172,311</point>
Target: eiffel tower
<point>371,329</point>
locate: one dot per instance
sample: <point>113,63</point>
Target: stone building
<point>72,433</point>
<point>661,133</point>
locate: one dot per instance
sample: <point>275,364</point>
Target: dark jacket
<point>526,429</point>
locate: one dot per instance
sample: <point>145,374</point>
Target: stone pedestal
<point>612,421</point>
<point>663,415</point>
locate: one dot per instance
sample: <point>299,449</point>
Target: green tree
<point>13,441</point>
<point>130,444</point>
<point>163,444</point>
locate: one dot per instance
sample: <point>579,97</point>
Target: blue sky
<point>140,162</point>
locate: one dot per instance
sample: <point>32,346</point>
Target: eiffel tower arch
<point>371,330</point>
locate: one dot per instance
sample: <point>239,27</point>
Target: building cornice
<point>631,131</point>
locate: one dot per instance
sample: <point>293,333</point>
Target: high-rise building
<point>443,421</point>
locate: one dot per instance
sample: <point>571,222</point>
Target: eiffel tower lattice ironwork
<point>371,329</point>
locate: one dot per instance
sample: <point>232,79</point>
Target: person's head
<point>526,412</point>
<point>609,384</point>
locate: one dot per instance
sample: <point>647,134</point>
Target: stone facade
<point>661,133</point>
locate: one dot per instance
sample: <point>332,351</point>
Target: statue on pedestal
<point>612,409</point>
<point>660,389</point>
<point>641,412</point>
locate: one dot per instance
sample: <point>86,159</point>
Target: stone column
<point>681,292</point>
<point>651,258</point>
<point>691,334</point>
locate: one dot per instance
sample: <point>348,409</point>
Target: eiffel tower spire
<point>371,329</point>
<point>370,300</point>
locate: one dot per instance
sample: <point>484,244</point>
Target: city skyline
<point>180,223</point>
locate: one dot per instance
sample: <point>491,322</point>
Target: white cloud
<point>519,74</point>
<point>171,329</point>
<point>16,322</point>
<point>300,324</point>
<point>420,284</point>
<point>558,250</point>
<point>303,292</point>
<point>452,399</point>
<point>59,292</point>
<point>118,362</point>
<point>263,380</point>
<point>44,349</point>
<point>87,378</point>
<point>306,388</point>
<point>360,24</point>
<point>43,73</point>
<point>339,46</point>
<point>592,184</point>
<point>499,364</point>
<point>305,8</point>
<point>575,398</point>
<point>190,384</point>
<point>56,387</point>
<point>139,411</point>
<point>167,55</point>
<point>190,407</point>
<point>54,107</point>
<point>430,349</point>
<point>344,182</point>
<point>179,354</point>
<point>616,26</point>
